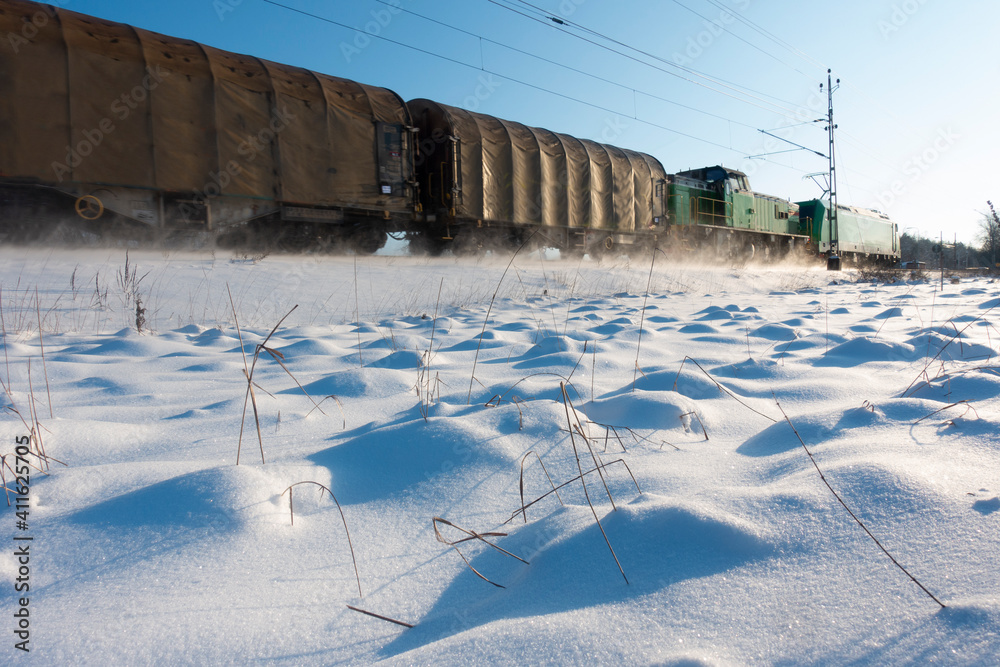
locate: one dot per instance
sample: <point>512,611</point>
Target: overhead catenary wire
<point>560,23</point>
<point>898,123</point>
<point>633,90</point>
<point>767,34</point>
<point>509,78</point>
<point>748,43</point>
<point>547,19</point>
<point>755,99</point>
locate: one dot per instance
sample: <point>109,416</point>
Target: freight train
<point>112,129</point>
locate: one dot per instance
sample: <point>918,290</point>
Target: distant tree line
<point>956,255</point>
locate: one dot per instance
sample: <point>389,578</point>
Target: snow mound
<point>222,498</point>
<point>720,314</point>
<point>415,457</point>
<point>698,329</point>
<point>311,347</point>
<point>658,541</point>
<point>866,350</point>
<point>358,382</point>
<point>661,410</point>
<point>777,332</point>
<point>949,347</point>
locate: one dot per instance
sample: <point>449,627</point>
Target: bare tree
<point>989,235</point>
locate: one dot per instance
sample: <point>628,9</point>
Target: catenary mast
<point>833,259</point>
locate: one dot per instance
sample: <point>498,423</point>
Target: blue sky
<point>915,108</point>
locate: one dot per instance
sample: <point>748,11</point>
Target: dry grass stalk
<point>572,291</point>
<point>471,535</point>
<point>291,511</point>
<point>545,495</point>
<point>613,428</point>
<point>41,345</point>
<point>140,315</point>
<point>248,371</point>
<point>944,347</point>
<point>99,299</point>
<point>719,385</point>
<point>280,358</point>
<point>968,407</point>
<point>425,386</point>
<point>379,616</point>
<point>582,355</point>
<point>3,476</point>
<point>428,390</point>
<point>849,511</point>
<point>642,318</point>
<point>593,373</point>
<point>521,483</point>
<point>250,392</point>
<point>489,311</point>
<point>664,442</point>
<point>33,426</point>
<point>961,345</point>
<point>610,429</point>
<point>576,425</point>
<point>598,464</point>
<point>531,307</point>
<point>336,400</point>
<point>516,402</point>
<point>947,376</point>
<point>583,481</point>
<point>6,358</point>
<point>696,416</point>
<point>128,282</point>
<point>498,399</point>
<point>36,429</point>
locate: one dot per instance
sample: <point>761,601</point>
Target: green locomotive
<point>862,234</point>
<point>714,208</point>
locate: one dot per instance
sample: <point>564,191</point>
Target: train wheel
<point>427,243</point>
<point>89,207</point>
<point>606,247</point>
<point>468,242</point>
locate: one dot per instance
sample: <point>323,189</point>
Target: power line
<point>898,122</point>
<point>353,29</point>
<point>509,78</point>
<point>560,25</point>
<point>721,27</point>
<point>769,35</point>
<point>567,67</point>
<point>555,22</point>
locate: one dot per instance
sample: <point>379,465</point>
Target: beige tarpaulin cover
<point>90,101</point>
<point>514,173</point>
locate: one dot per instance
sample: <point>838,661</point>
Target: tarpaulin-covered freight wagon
<point>168,132</point>
<point>476,171</point>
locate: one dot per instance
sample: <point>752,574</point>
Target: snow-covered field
<point>151,546</point>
